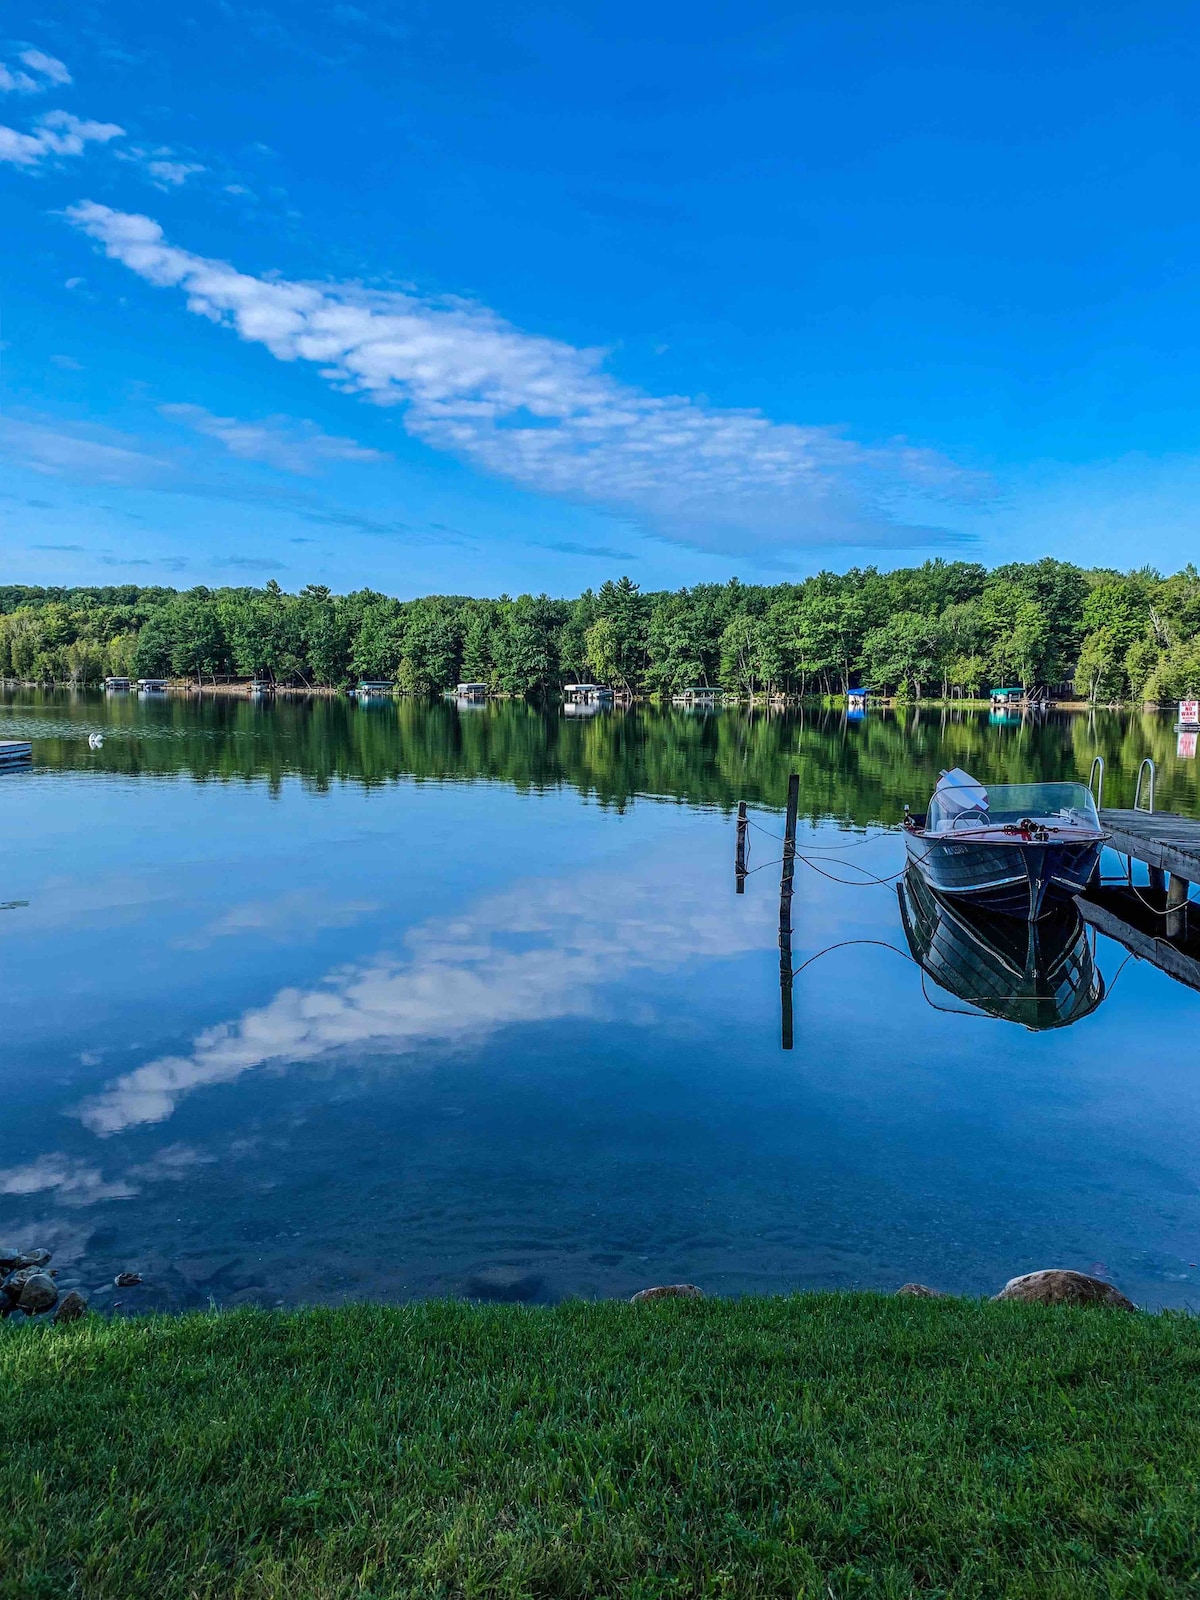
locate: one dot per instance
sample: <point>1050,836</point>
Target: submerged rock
<point>38,1293</point>
<point>13,1260</point>
<point>16,1281</point>
<point>668,1291</point>
<point>505,1286</point>
<point>922,1291</point>
<point>71,1307</point>
<point>1058,1286</point>
<point>127,1280</point>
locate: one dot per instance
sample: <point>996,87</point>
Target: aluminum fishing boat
<point>1038,974</point>
<point>1021,849</point>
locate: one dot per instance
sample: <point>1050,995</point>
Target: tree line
<point>941,629</point>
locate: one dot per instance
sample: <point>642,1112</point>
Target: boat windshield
<point>1059,804</point>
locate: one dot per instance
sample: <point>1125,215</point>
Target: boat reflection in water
<point>1041,974</point>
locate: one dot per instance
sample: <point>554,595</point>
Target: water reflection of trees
<point>859,771</point>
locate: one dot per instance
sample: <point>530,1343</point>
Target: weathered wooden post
<point>739,865</point>
<point>1177,897</point>
<point>785,908</point>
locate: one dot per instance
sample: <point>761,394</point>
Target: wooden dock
<point>1169,845</point>
<point>1162,839</point>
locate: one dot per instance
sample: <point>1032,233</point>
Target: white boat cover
<point>958,792</point>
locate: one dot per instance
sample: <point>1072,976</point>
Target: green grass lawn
<point>818,1445</point>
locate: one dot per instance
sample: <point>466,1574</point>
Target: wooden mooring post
<point>1177,901</point>
<point>739,865</point>
<point>785,909</point>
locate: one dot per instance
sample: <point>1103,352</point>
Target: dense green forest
<point>947,627</point>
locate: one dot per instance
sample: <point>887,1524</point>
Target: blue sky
<point>477,298</point>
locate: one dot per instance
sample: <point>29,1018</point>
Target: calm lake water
<point>309,1002</point>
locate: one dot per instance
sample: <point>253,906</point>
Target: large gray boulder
<point>1058,1286</point>
<point>71,1307</point>
<point>12,1286</point>
<point>38,1293</point>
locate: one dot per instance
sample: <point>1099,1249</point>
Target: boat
<point>1039,974</point>
<point>15,753</point>
<point>1021,849</point>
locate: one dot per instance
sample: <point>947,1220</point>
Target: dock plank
<point>1162,839</point>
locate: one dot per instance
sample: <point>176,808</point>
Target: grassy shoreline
<point>811,1445</point>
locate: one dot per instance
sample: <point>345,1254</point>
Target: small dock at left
<point>15,753</point>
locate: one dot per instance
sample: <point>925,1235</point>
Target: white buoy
<point>95,740</point>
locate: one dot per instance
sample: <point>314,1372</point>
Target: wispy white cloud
<point>165,167</point>
<point>251,563</point>
<point>104,456</point>
<point>171,174</point>
<point>50,68</point>
<point>43,71</point>
<point>58,453</point>
<point>546,415</point>
<point>298,447</point>
<point>58,133</point>
<point>17,82</point>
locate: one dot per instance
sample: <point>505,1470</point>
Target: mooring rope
<point>979,1014</point>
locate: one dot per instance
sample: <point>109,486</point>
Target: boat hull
<point>1015,878</point>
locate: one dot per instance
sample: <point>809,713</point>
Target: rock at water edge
<point>921,1291</point>
<point>13,1260</point>
<point>16,1281</point>
<point>71,1307</point>
<point>1058,1286</point>
<point>38,1293</point>
<point>668,1291</point>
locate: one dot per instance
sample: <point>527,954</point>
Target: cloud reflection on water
<point>74,1183</point>
<point>543,950</point>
